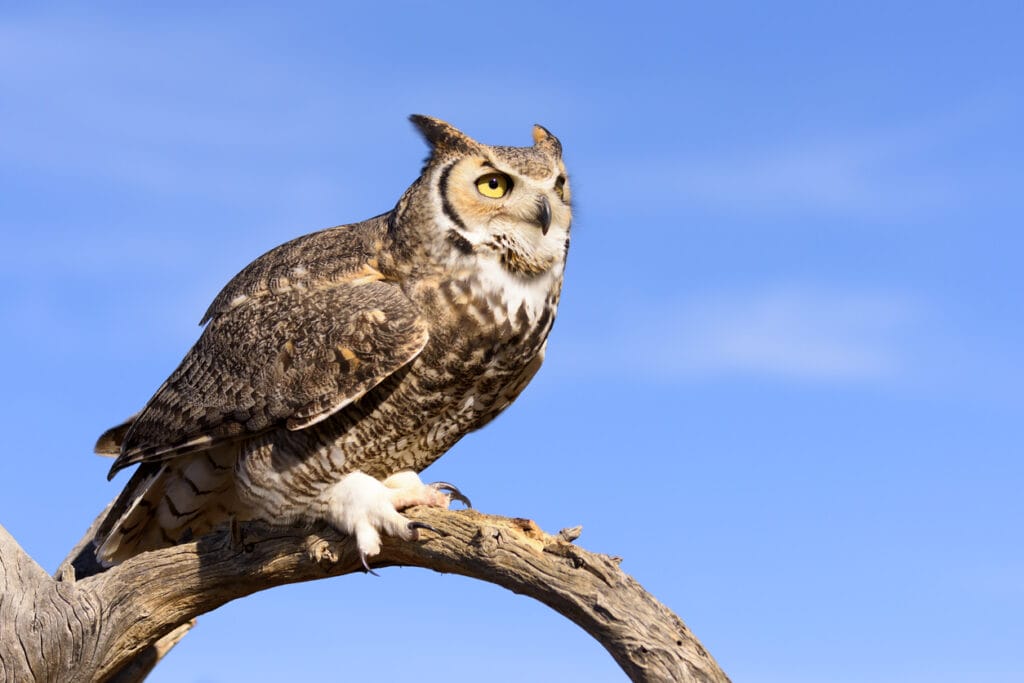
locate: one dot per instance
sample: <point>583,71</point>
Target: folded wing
<point>289,359</point>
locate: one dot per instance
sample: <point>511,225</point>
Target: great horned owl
<point>336,366</point>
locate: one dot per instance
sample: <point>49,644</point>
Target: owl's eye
<point>494,185</point>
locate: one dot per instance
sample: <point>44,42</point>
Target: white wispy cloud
<point>90,100</point>
<point>786,333</point>
<point>794,333</point>
<point>861,177</point>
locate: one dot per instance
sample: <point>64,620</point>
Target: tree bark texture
<point>90,624</point>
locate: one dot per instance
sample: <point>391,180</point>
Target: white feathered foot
<point>364,507</point>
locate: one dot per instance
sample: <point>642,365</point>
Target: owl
<point>335,367</point>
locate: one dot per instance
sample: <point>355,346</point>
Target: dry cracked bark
<point>115,625</point>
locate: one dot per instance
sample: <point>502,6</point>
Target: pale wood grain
<point>89,624</point>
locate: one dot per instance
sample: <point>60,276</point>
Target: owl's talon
<point>366,565</point>
<point>453,492</point>
<point>413,526</point>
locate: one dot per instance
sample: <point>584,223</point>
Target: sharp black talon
<point>423,525</point>
<point>366,566</point>
<point>453,491</point>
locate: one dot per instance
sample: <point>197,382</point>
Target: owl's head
<point>509,204</point>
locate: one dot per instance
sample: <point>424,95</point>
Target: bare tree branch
<point>116,624</point>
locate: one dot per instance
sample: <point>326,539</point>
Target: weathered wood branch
<point>90,624</point>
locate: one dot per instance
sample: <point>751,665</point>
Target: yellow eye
<point>494,185</point>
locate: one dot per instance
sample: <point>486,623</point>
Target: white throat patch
<point>516,291</point>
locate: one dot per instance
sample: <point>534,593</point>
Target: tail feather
<point>122,533</point>
<point>165,502</point>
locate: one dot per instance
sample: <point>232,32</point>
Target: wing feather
<point>293,358</point>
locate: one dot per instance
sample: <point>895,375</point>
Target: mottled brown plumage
<point>343,357</point>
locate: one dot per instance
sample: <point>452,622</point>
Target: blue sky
<point>785,382</point>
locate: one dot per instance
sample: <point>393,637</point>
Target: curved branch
<point>153,597</point>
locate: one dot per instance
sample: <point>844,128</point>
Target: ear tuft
<point>441,136</point>
<point>543,139</point>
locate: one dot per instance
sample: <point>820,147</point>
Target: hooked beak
<point>543,214</point>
